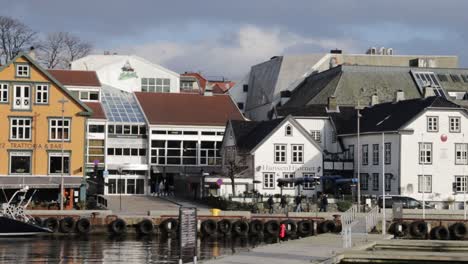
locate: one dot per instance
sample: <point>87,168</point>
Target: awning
<point>39,182</point>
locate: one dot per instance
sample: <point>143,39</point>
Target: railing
<point>101,201</point>
<point>348,219</point>
<point>349,216</point>
<point>372,218</point>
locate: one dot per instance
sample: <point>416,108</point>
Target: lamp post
<point>358,108</point>
<point>423,178</point>
<point>62,101</point>
<point>119,188</point>
<point>384,223</point>
<point>463,173</point>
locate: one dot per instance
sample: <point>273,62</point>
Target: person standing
<point>161,188</point>
<point>321,201</point>
<point>283,204</point>
<point>325,202</point>
<point>270,203</point>
<point>298,201</point>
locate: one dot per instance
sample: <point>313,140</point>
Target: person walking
<point>321,201</point>
<point>283,204</point>
<point>325,202</point>
<point>270,203</point>
<point>298,201</point>
<point>161,188</point>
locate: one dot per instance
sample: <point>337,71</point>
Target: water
<point>104,249</point>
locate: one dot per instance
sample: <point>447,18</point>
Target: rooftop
<point>76,78</point>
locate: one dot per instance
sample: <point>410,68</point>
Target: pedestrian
<point>161,188</point>
<point>270,203</point>
<point>321,201</point>
<point>283,204</point>
<point>324,203</point>
<point>298,201</point>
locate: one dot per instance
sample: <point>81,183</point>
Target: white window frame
<point>375,154</point>
<point>280,153</point>
<point>22,154</point>
<point>23,70</point>
<point>25,127</point>
<point>268,180</point>
<point>425,153</point>
<point>288,131</point>
<point>162,87</point>
<point>388,182</point>
<point>432,124</point>
<point>308,185</point>
<point>365,154</point>
<point>364,181</point>
<point>4,92</point>
<point>288,175</point>
<point>57,128</point>
<point>42,89</point>
<point>461,153</point>
<point>59,154</point>
<point>316,135</point>
<point>297,153</point>
<point>454,124</point>
<point>21,102</point>
<point>388,153</point>
<point>460,183</point>
<point>426,181</point>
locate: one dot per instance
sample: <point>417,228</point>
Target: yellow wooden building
<point>33,128</point>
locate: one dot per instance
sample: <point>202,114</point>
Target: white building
<point>270,150</point>
<point>130,73</point>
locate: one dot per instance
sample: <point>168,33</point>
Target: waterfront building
<point>193,82</point>
<point>185,133</point>
<point>41,143</point>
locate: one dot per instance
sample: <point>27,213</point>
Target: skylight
<point>428,79</point>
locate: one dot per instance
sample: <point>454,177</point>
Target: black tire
<point>418,229</point>
<point>208,227</point>
<point>327,226</point>
<point>52,223</point>
<point>38,221</point>
<point>439,233</point>
<point>391,229</point>
<point>169,226</point>
<point>240,228</point>
<point>400,229</point>
<point>145,227</point>
<point>256,227</point>
<point>118,227</point>
<point>83,226</point>
<point>291,227</point>
<point>272,228</point>
<point>458,231</point>
<point>305,228</point>
<point>67,225</point>
<point>224,227</point>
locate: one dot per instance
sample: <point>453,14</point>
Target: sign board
<point>188,232</point>
<point>219,182</point>
<point>105,173</point>
<point>397,210</point>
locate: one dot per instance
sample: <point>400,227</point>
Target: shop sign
<point>27,145</point>
<point>285,168</point>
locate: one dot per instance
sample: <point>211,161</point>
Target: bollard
<point>282,233</point>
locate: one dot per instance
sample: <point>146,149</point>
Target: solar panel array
<point>121,106</point>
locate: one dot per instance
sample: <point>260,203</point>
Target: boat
<point>13,219</point>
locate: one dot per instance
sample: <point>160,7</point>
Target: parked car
<point>408,202</point>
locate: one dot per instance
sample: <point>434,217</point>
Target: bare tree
<point>59,49</point>
<point>14,37</point>
<point>76,48</point>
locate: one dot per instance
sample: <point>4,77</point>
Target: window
<point>240,106</point>
<point>22,70</point>
<point>460,183</point>
<point>3,93</point>
<point>375,181</point>
<point>425,153</point>
<point>465,78</point>
<point>186,85</point>
<point>455,77</point>
<point>110,151</point>
<point>454,124</point>
<point>56,163</point>
<point>333,137</point>
<point>112,186</point>
<point>20,162</point>
<point>245,88</point>
<point>268,180</point>
<point>297,153</point>
<point>388,153</point>
<point>351,152</point>
<point>20,129</point>
<point>96,128</point>
<point>95,151</point>
<point>442,77</point>
<point>461,154</point>
<point>375,154</point>
<point>157,85</point>
<point>365,154</point>
<point>42,94</point>
<point>428,79</point>
<point>289,185</point>
<point>209,152</point>
<point>316,135</point>
<point>208,133</point>
<point>280,153</point>
<point>127,130</point>
<point>364,181</point>
<point>308,185</point>
<point>88,95</point>
<point>432,124</point>
<point>388,182</point>
<point>22,97</point>
<point>59,130</point>
<point>424,183</point>
<point>288,130</point>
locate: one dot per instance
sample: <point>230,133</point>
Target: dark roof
<point>76,78</point>
<point>98,112</point>
<point>249,133</point>
<point>388,116</point>
<point>188,109</point>
<point>308,110</point>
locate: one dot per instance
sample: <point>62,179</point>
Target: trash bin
<point>215,212</point>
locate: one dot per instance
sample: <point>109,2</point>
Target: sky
<point>225,38</point>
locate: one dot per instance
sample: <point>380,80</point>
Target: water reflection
<point>118,249</point>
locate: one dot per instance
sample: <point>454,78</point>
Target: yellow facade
<point>39,145</point>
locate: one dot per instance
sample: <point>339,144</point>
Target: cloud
<point>216,56</point>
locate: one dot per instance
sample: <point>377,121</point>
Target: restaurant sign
<point>285,168</point>
<point>27,145</point>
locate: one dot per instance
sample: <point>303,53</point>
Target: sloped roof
<point>389,116</point>
<point>201,80</point>
<point>120,106</point>
<point>76,78</point>
<point>308,110</point>
<point>249,133</point>
<point>188,109</point>
<point>98,111</point>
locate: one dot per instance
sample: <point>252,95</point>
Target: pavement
<point>138,205</point>
<point>315,249</point>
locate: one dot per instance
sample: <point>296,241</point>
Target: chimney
<point>374,100</point>
<point>208,90</point>
<point>399,96</point>
<point>332,105</point>
<point>32,53</point>
<point>428,92</point>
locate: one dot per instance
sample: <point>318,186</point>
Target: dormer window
<point>22,70</point>
<point>288,130</point>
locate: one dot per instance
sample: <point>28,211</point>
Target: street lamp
<point>62,101</point>
<point>119,188</point>
<point>358,117</point>
<point>384,223</point>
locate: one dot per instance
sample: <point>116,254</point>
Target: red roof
<point>98,112</point>
<point>222,87</point>
<point>188,109</point>
<point>76,78</point>
<point>201,79</point>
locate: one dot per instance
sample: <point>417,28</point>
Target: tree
<point>14,38</point>
<point>59,49</point>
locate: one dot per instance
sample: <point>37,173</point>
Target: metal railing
<point>348,219</point>
<point>372,217</point>
<point>101,201</point>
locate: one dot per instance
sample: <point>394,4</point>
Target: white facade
<point>129,73</point>
<point>321,130</point>
<point>239,92</point>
